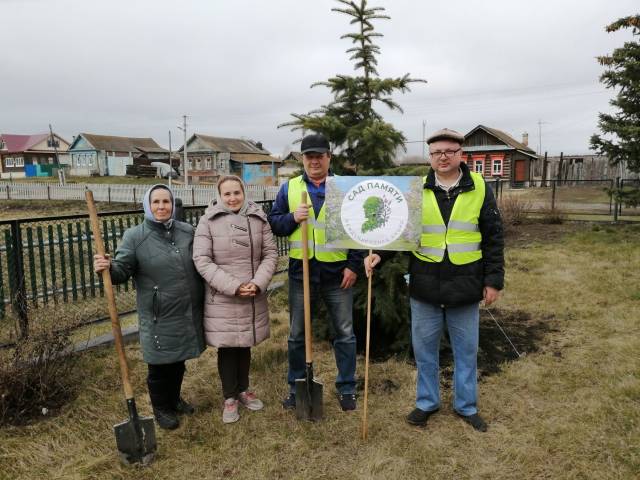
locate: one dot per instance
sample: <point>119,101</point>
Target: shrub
<point>552,216</point>
<point>36,376</point>
<point>513,210</point>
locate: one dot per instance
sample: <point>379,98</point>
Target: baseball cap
<point>315,142</point>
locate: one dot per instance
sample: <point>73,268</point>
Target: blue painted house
<point>106,155</point>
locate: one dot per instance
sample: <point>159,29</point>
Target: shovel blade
<point>308,399</point>
<point>136,440</point>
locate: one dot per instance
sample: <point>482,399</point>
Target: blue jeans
<point>339,304</point>
<point>427,323</point>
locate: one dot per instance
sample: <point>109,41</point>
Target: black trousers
<point>164,383</point>
<point>233,367</point>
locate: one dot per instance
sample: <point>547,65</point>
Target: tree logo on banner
<point>374,213</point>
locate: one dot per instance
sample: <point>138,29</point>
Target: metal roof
<point>21,143</point>
<point>112,143</point>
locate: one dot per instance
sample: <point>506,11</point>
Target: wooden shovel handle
<point>111,300</point>
<point>305,287</point>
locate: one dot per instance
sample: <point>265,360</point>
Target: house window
<point>53,143</point>
<point>496,164</point>
<point>207,163</point>
<point>19,162</point>
<point>90,161</point>
<point>9,162</point>
<point>478,166</point>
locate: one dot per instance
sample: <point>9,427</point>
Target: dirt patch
<point>28,209</point>
<point>528,233</point>
<point>527,333</point>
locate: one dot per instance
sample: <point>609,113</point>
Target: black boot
<point>162,410</point>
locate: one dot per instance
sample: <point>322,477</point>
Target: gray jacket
<point>169,291</point>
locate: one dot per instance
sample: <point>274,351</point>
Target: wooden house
<point>108,155</point>
<point>209,157</point>
<point>28,155</point>
<point>495,154</point>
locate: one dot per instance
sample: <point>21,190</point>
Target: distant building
<point>495,154</point>
<point>290,165</point>
<point>108,155</point>
<point>209,157</point>
<point>30,155</point>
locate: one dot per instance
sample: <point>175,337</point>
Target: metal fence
<point>46,269</point>
<point>190,195</point>
<point>580,198</point>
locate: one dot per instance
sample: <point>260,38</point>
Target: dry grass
<point>569,410</point>
<point>73,180</point>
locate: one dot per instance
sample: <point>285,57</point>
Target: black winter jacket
<point>447,284</point>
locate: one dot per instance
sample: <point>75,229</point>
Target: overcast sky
<point>239,68</point>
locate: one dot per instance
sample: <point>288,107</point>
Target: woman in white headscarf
<point>157,254</point>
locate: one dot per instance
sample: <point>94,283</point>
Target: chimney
<point>525,139</point>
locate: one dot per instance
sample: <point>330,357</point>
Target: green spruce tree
<point>620,137</point>
<point>358,133</point>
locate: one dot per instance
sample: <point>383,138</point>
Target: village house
<point>495,154</point>
<point>209,157</point>
<point>108,155</point>
<point>31,155</point>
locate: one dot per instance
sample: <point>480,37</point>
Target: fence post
<point>17,287</point>
<point>616,205</point>
<point>48,192</point>
<point>8,193</point>
<point>611,196</point>
<point>134,195</point>
<point>193,198</point>
<point>553,194</point>
<point>109,194</point>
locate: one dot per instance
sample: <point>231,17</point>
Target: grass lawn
<point>569,408</point>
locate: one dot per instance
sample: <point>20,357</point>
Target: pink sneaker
<point>230,411</point>
<point>250,401</point>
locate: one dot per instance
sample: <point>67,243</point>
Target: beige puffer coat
<point>228,250</point>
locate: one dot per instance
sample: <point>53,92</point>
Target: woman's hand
<point>247,290</point>
<point>101,262</point>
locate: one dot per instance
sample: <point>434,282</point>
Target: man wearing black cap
<point>333,272</point>
<point>460,262</point>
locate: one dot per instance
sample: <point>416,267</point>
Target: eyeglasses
<point>446,153</point>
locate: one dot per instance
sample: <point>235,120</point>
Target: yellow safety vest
<point>316,229</point>
<point>461,237</point>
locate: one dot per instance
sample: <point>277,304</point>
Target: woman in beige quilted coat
<point>235,252</point>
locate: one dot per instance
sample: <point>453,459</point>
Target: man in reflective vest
<point>460,262</point>
<point>333,272</point>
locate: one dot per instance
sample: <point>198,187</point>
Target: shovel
<point>308,389</point>
<point>136,437</point>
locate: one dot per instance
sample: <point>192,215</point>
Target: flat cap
<point>445,134</point>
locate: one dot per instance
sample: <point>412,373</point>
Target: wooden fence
<point>190,195</point>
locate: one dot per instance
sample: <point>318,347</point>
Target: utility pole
<point>184,151</point>
<point>170,167</point>
<point>61,178</point>
<point>540,123</point>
